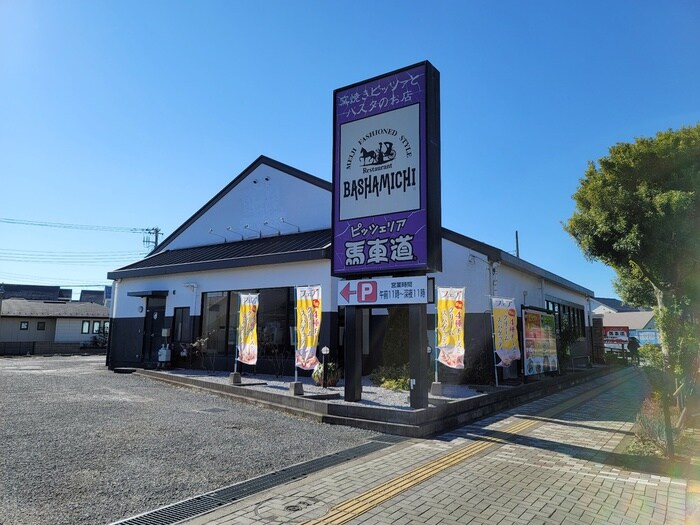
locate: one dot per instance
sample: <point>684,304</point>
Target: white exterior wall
<point>68,330</point>
<point>464,267</point>
<point>254,277</point>
<point>10,332</point>
<point>521,286</point>
<point>531,290</point>
<point>255,203</point>
<point>469,268</point>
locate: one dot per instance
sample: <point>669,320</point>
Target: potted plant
<point>332,374</point>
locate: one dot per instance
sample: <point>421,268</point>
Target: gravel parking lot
<point>81,444</point>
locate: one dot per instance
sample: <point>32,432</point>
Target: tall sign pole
<point>386,196</point>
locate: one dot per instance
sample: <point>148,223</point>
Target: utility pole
<point>156,232</point>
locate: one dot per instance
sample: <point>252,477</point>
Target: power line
<point>50,281</point>
<point>78,226</point>
<point>155,231</point>
<point>118,252</point>
<point>68,257</point>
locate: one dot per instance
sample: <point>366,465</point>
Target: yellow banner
<point>248,329</point>
<point>308,325</point>
<point>505,330</point>
<point>450,326</point>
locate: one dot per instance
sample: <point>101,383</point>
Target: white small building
<point>268,231</point>
<point>33,326</point>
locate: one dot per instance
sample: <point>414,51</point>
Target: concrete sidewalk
<point>551,461</point>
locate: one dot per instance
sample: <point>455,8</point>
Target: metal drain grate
<point>176,512</point>
<point>192,507</point>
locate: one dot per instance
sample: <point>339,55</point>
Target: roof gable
<point>268,198</point>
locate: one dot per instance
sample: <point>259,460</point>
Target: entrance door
<point>152,328</point>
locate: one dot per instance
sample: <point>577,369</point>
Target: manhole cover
<point>291,510</point>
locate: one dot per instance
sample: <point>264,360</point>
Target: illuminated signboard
<point>386,174</point>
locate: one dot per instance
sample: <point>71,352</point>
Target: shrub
<point>612,359</point>
<point>395,377</point>
<point>332,374</point>
<point>402,383</point>
<point>650,355</point>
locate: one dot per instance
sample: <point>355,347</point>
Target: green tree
<point>638,211</point>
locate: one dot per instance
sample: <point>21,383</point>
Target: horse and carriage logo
<point>383,154</point>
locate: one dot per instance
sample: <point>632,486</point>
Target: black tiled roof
<point>279,249</point>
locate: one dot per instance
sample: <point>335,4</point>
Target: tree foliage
<point>638,211</point>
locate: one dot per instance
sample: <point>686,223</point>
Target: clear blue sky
<point>134,114</point>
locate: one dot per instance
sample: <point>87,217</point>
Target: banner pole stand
<point>436,387</point>
<point>493,340</point>
<point>296,388</point>
<point>435,331</point>
<point>235,378</point>
<point>235,357</point>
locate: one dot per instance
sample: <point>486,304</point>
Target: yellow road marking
<point>358,505</point>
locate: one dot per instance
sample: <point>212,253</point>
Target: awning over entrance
<point>149,293</point>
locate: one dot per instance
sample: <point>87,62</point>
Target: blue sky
<point>134,114</point>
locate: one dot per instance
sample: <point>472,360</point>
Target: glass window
<point>569,316</point>
<point>41,325</point>
<point>275,317</point>
<point>273,322</point>
<point>106,327</point>
<point>24,325</point>
<point>182,327</point>
<point>85,329</point>
<point>95,327</point>
<point>214,314</point>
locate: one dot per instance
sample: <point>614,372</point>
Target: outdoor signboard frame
<point>618,335</point>
<point>384,291</point>
<point>386,175</point>
<point>539,341</point>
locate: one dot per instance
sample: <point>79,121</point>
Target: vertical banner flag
<point>308,325</point>
<point>248,329</point>
<point>505,330</point>
<point>450,326</point>
<point>540,340</point>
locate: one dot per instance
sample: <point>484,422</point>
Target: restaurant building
<point>269,231</point>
